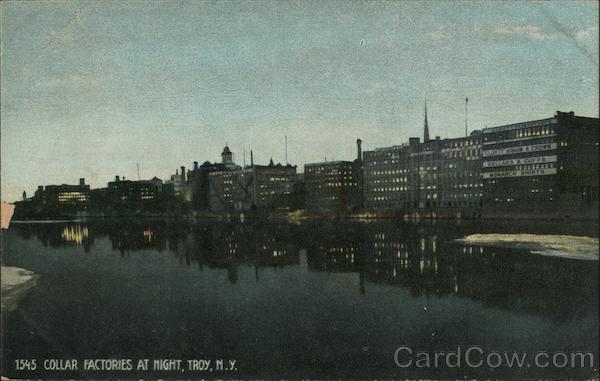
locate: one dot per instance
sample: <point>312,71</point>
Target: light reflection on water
<point>339,285</point>
<point>75,234</point>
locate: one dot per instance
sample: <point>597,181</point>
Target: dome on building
<point>227,155</point>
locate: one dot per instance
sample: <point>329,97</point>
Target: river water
<point>317,299</point>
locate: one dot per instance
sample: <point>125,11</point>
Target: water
<point>318,299</point>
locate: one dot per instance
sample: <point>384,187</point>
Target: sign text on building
<point>520,161</point>
<point>520,173</point>
<point>519,149</point>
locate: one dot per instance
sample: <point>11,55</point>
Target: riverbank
<point>303,215</point>
<point>16,283</point>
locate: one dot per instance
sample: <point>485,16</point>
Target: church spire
<point>426,128</point>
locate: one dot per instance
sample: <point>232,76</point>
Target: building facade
<point>54,201</point>
<point>270,185</point>
<point>545,167</point>
<point>262,187</point>
<point>199,184</point>
<point>256,187</point>
<point>430,175</point>
<point>333,186</point>
<point>136,194</point>
<point>388,178</point>
<point>460,186</point>
<point>63,195</point>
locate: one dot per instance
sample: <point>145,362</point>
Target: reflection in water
<point>75,233</point>
<point>148,235</point>
<point>247,290</point>
<point>422,259</point>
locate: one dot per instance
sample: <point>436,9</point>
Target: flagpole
<point>466,105</point>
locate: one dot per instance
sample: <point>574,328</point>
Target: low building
<point>546,167</point>
<point>62,195</point>
<point>126,194</point>
<point>63,200</point>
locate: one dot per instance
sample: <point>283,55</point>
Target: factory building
<point>261,187</point>
<point>430,175</point>
<point>546,167</point>
<point>460,185</point>
<point>135,193</point>
<point>334,185</point>
<point>57,195</point>
<point>54,201</point>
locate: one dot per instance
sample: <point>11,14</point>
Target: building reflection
<point>427,262</point>
<point>58,235</point>
<point>126,238</point>
<point>75,234</point>
<point>423,259</point>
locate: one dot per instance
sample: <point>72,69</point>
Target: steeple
<point>426,128</point>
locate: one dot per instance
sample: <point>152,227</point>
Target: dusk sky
<point>89,89</point>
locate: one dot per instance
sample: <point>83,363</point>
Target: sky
<point>91,88</point>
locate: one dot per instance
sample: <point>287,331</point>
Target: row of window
<point>72,197</point>
<point>410,204</point>
<point>523,133</point>
<point>335,185</point>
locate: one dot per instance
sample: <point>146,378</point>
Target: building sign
<point>518,126</point>
<point>519,149</point>
<point>520,161</point>
<point>520,173</point>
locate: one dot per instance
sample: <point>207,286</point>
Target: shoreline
<point>301,216</point>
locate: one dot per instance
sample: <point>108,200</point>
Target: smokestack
<point>82,181</point>
<point>117,178</point>
<point>195,165</point>
<point>182,174</point>
<point>251,159</point>
<point>359,149</point>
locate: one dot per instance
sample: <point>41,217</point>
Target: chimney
<point>82,181</point>
<point>117,178</point>
<point>251,159</point>
<point>195,165</point>
<point>359,149</point>
<point>182,174</point>
<point>414,144</point>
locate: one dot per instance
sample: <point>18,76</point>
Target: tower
<point>426,128</point>
<point>226,155</point>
